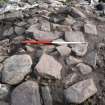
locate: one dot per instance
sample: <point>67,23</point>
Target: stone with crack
<point>16,68</point>
<point>47,65</point>
<point>26,93</point>
<point>80,91</point>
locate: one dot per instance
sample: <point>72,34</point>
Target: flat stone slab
<point>80,91</point>
<point>16,68</point>
<point>26,94</point>
<point>47,65</point>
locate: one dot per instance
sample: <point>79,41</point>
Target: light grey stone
<point>80,91</point>
<point>84,69</point>
<point>71,60</point>
<point>19,30</point>
<point>8,32</point>
<point>49,66</point>
<point>63,50</point>
<point>90,29</point>
<point>26,93</point>
<point>16,68</point>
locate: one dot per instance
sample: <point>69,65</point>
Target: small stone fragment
<point>4,91</point>
<point>16,68</point>
<point>46,95</point>
<point>84,69</point>
<point>49,66</point>
<point>63,50</point>
<point>72,60</point>
<point>80,91</point>
<point>90,29</point>
<point>26,94</point>
<point>19,30</point>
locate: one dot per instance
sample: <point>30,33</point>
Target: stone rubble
<point>53,74</point>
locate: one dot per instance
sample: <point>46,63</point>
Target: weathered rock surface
<point>90,29</point>
<point>3,103</point>
<point>84,69</point>
<point>1,67</point>
<point>49,66</point>
<point>63,50</point>
<point>79,48</point>
<point>80,91</point>
<point>26,94</point>
<point>71,60</point>
<point>15,68</point>
<point>46,95</point>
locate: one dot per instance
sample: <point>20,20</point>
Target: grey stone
<point>77,13</point>
<point>3,103</point>
<point>46,95</point>
<point>8,32</point>
<point>26,93</point>
<point>80,91</point>
<point>84,69</point>
<point>4,91</point>
<point>90,29</point>
<point>72,60</point>
<point>42,35</point>
<point>70,79</point>
<point>1,67</point>
<point>16,68</point>
<point>61,27</point>
<point>49,66</point>
<point>79,48</point>
<point>2,58</point>
<point>19,30</point>
<point>91,58</point>
<point>45,26</point>
<point>63,50</point>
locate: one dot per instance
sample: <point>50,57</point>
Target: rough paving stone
<point>80,91</point>
<point>91,58</point>
<point>72,60</point>
<point>63,50</point>
<point>19,30</point>
<point>77,13</point>
<point>84,69</point>
<point>70,79</point>
<point>46,95</point>
<point>3,103</point>
<point>4,91</point>
<point>1,67</point>
<point>49,66</point>
<point>90,29</point>
<point>26,94</point>
<point>79,49</point>
<point>16,68</point>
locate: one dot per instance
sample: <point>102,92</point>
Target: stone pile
<point>47,74</point>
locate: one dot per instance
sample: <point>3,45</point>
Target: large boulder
<point>16,68</point>
<point>26,94</point>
